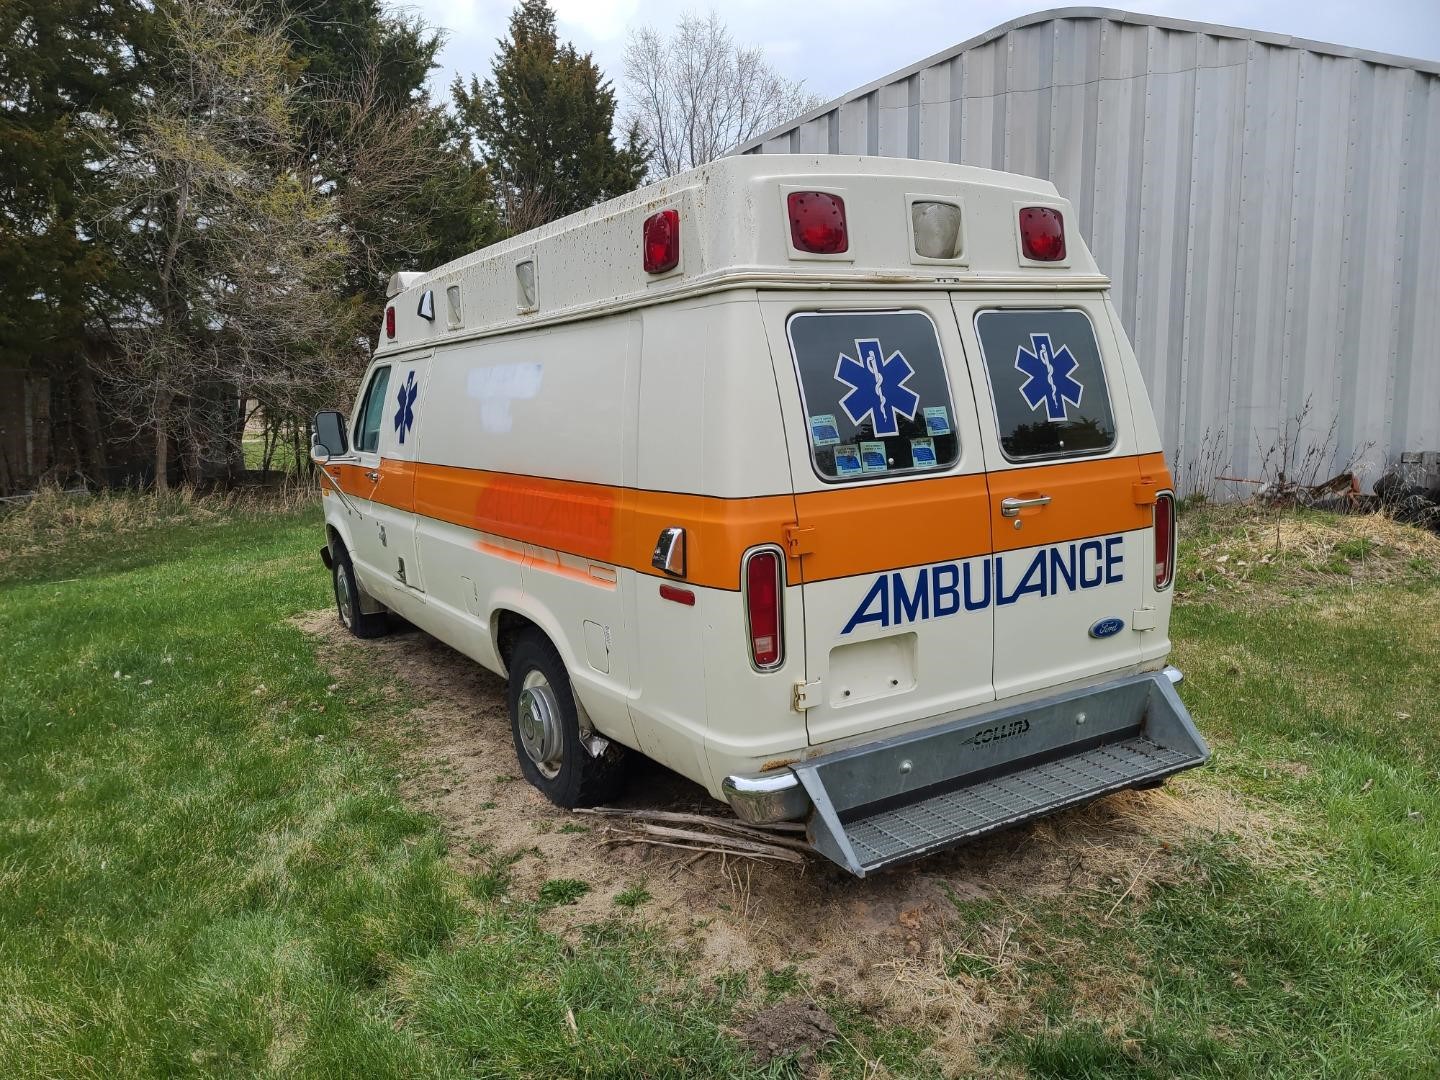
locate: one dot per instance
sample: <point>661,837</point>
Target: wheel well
<point>332,537</point>
<point>509,626</point>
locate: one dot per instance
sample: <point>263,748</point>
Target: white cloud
<point>599,20</point>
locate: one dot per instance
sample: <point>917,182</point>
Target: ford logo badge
<point>1107,628</point>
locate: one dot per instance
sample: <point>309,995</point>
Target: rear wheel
<point>546,728</point>
<point>347,600</point>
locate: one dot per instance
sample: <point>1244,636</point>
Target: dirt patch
<point>895,943</point>
<point>792,1029</point>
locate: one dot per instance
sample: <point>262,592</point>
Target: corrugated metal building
<point>1268,210</point>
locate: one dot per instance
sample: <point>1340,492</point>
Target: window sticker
<point>922,453</point>
<point>872,457</point>
<point>847,460</point>
<point>937,420</point>
<point>823,431</point>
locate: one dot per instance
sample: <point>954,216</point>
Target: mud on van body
<point>830,483</point>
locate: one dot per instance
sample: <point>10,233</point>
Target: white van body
<point>546,421</point>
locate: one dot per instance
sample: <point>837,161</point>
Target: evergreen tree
<point>407,193</point>
<point>543,125</point>
<point>69,71</point>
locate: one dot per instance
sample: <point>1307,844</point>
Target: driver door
<point>360,480</point>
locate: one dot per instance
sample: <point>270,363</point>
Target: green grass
<point>1321,707</point>
<point>206,869</point>
<point>632,897</point>
<point>282,458</point>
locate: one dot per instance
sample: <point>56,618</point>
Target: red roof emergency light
<point>817,222</point>
<point>662,241</point>
<point>390,321</point>
<point>1042,234</point>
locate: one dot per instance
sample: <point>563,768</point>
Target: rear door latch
<point>806,695</point>
<point>799,540</point>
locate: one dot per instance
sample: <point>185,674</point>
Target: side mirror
<point>328,440</point>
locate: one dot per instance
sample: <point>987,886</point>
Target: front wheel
<point>347,600</point>
<point>546,728</point>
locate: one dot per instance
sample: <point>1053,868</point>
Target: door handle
<point>1011,507</point>
<point>374,478</point>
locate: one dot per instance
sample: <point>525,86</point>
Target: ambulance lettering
<point>944,588</point>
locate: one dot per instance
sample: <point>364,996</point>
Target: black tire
<point>347,600</point>
<point>550,752</point>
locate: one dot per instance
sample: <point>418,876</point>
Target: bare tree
<point>697,93</point>
<point>240,255</point>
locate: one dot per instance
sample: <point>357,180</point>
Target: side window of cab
<point>372,411</point>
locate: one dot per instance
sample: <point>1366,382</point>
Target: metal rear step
<point>901,798</point>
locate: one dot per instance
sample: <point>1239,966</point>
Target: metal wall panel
<point>1260,203</point>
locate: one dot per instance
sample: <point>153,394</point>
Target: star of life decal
<point>877,387</point>
<point>405,414</point>
<point>1051,380</point>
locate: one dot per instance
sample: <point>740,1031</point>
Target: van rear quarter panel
<point>710,425</point>
<point>1156,646</point>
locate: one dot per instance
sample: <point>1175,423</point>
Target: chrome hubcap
<point>342,594</point>
<point>539,725</point>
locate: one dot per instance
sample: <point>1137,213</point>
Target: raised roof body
<point>734,233</point>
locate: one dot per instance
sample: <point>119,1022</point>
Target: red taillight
<point>1042,233</point>
<point>662,241</point>
<point>389,322</point>
<point>762,608</point>
<point>817,222</point>
<point>1164,540</point>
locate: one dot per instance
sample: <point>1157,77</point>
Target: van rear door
<point>1070,515</point>
<point>893,525</point>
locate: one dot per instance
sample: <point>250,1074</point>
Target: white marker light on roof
<point>525,285</point>
<point>937,229</point>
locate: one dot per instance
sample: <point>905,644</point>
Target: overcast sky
<point>838,45</point>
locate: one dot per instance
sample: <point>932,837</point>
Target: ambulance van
<point>830,483</point>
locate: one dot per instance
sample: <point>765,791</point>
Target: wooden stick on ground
<point>779,854</point>
<point>723,824</point>
<point>732,843</point>
<point>691,819</point>
<point>765,831</point>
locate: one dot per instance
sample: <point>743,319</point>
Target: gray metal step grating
<point>1003,800</point>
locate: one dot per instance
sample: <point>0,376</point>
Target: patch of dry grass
<point>1252,553</point>
<point>55,519</point>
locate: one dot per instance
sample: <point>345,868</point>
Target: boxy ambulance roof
<point>734,219</point>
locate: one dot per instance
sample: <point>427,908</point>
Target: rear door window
<point>1047,382</point>
<point>875,391</point>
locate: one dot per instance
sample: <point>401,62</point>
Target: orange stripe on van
<point>578,519</point>
<point>846,531</point>
<point>860,530</point>
<point>1087,498</point>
